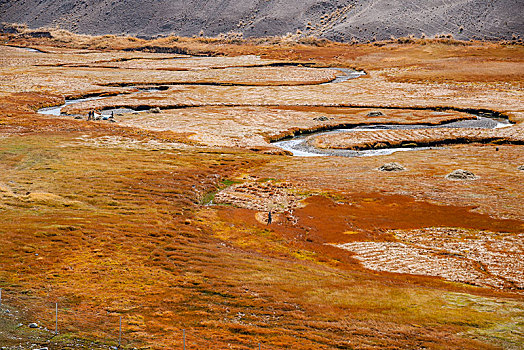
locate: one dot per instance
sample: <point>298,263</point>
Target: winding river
<point>344,74</point>
<point>299,145</point>
<point>29,49</point>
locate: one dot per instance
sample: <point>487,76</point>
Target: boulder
<point>391,167</point>
<point>155,110</point>
<point>521,168</point>
<point>32,325</point>
<point>460,174</point>
<point>375,114</point>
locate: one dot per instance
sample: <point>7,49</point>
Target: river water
<point>299,145</point>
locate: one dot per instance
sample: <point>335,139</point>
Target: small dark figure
<point>89,115</point>
<point>496,149</point>
<point>112,114</point>
<point>269,219</point>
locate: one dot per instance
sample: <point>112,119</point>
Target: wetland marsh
<point>160,217</point>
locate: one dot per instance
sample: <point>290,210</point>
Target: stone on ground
<point>391,167</point>
<point>461,175</point>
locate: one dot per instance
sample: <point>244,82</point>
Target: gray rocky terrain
<point>341,20</point>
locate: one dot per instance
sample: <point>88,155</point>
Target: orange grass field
<point>160,217</point>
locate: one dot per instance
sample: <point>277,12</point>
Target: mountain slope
<point>339,20</point>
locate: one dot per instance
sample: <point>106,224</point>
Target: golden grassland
<point>113,219</point>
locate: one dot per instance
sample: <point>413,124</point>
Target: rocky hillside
<point>340,20</point>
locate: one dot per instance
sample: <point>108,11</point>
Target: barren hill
<point>340,20</point>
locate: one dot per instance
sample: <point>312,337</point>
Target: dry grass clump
<point>14,28</point>
<point>445,39</point>
<point>301,39</point>
<point>327,21</point>
<point>231,37</point>
<point>49,199</point>
<point>61,37</point>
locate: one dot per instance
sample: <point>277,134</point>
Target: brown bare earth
<point>160,214</point>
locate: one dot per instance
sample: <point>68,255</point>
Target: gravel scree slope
<point>340,20</point>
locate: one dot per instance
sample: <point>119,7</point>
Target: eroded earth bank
<point>137,184</point>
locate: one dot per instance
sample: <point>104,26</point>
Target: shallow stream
<point>300,146</point>
<point>344,75</point>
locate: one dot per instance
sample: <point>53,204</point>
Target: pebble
<point>391,167</point>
